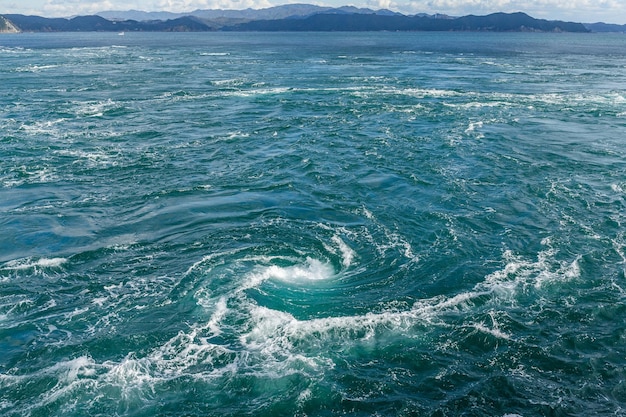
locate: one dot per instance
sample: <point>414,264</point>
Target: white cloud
<point>83,7</point>
<point>382,4</point>
<point>189,5</point>
<point>79,7</point>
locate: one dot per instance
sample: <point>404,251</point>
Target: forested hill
<point>497,22</point>
<point>100,24</point>
<point>327,20</point>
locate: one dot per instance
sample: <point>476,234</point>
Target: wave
<point>35,68</point>
<point>33,263</point>
<point>364,236</point>
<point>240,338</point>
<point>98,108</point>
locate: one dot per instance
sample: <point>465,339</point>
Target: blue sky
<point>588,11</point>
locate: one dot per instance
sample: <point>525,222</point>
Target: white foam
<point>93,158</point>
<point>209,259</point>
<point>268,324</point>
<point>73,369</point>
<point>73,373</point>
<point>129,372</point>
<point>420,92</point>
<point>99,301</point>
<point>76,312</point>
<point>234,135</point>
<point>94,109</point>
<point>519,274</point>
<point>35,68</point>
<point>42,127</point>
<point>310,270</point>
<point>494,329</point>
<point>186,350</point>
<point>472,129</point>
<point>275,329</point>
<point>393,240</point>
<point>228,82</point>
<point>565,272</point>
<point>261,91</point>
<point>28,263</point>
<point>221,309</point>
<point>347,254</point>
<point>274,342</point>
<point>6,405</point>
<point>13,49</point>
<point>368,214</point>
<point>304,396</point>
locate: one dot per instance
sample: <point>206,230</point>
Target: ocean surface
<point>312,224</point>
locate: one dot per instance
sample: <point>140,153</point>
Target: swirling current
<point>363,224</point>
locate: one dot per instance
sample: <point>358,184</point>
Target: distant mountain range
<point>271,13</point>
<point>605,27</point>
<point>293,17</point>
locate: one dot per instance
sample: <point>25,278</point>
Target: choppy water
<point>380,224</point>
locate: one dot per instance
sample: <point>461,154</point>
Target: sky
<point>586,11</point>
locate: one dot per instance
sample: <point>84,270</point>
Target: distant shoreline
<point>311,19</point>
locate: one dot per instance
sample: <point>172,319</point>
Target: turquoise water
<point>389,224</point>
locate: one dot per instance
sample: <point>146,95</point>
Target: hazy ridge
<point>298,17</point>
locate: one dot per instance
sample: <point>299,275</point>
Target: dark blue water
<point>390,224</point>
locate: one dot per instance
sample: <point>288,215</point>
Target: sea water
<point>312,224</point>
